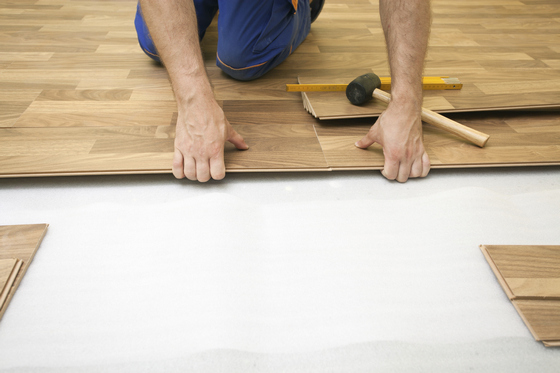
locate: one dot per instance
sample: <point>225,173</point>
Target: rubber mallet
<point>366,87</point>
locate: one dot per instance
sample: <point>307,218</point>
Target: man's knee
<point>241,66</point>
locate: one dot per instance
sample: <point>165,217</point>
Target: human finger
<point>425,164</point>
<point>236,139</point>
<point>368,139</point>
<point>404,172</point>
<point>217,166</point>
<point>416,169</point>
<point>202,170</point>
<point>177,165</point>
<point>390,169</point>
<point>189,168</point>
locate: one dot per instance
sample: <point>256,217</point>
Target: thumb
<point>237,140</point>
<point>368,139</point>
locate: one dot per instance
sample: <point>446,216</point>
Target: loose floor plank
<point>530,276</point>
<point>18,243</point>
<point>528,272</point>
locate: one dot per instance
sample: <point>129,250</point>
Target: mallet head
<point>361,89</point>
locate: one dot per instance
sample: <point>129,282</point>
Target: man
<point>254,36</point>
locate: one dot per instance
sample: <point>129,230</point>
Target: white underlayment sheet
<point>151,271</point>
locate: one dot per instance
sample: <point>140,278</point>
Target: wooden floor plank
<point>19,242</point>
<point>530,272</point>
<point>541,316</point>
<point>530,276</point>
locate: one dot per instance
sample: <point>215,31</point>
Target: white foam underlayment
<point>269,272</point>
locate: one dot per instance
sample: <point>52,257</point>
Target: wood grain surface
<point>9,269</point>
<point>78,96</point>
<point>542,317</point>
<point>529,272</point>
<point>19,243</point>
<point>530,276</point>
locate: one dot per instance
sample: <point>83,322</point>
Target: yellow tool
<point>428,83</point>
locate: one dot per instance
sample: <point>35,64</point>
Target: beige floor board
<point>9,270</point>
<point>85,95</point>
<point>27,57</point>
<point>132,146</point>
<point>243,112</point>
<point>68,61</point>
<point>91,164</point>
<point>49,48</point>
<point>6,269</point>
<point>85,133</point>
<point>541,316</point>
<point>286,147</point>
<point>523,267</point>
<point>19,242</point>
<point>92,107</point>
<point>277,147</point>
<point>10,111</point>
<point>63,74</point>
<point>41,84</point>
<point>25,95</point>
<point>154,94</point>
<point>506,145</point>
<point>530,277</point>
<point>123,84</point>
<point>93,119</point>
<point>41,147</point>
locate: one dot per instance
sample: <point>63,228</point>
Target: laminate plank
<point>530,276</point>
<point>273,112</point>
<point>542,317</point>
<point>528,271</point>
<point>85,95</point>
<point>26,56</point>
<point>294,147</point>
<point>6,268</point>
<point>9,269</point>
<point>19,95</point>
<point>122,150</point>
<point>19,242</point>
<point>96,113</point>
<point>506,144</point>
<point>10,111</point>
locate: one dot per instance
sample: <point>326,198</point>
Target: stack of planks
<point>18,245</point>
<point>530,276</point>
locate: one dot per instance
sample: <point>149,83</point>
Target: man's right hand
<point>202,130</point>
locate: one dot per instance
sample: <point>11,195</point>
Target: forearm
<point>173,28</point>
<point>406,24</point>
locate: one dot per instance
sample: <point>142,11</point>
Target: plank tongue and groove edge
<point>528,272</point>
<point>530,276</point>
<point>9,269</point>
<point>18,245</point>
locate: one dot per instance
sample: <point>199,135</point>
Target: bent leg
<point>205,12</point>
<point>256,36</point>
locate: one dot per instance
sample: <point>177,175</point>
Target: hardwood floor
<point>78,96</point>
<point>18,245</point>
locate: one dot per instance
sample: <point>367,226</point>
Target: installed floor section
<point>78,96</point>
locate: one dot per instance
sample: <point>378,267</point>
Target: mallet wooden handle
<point>438,120</point>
